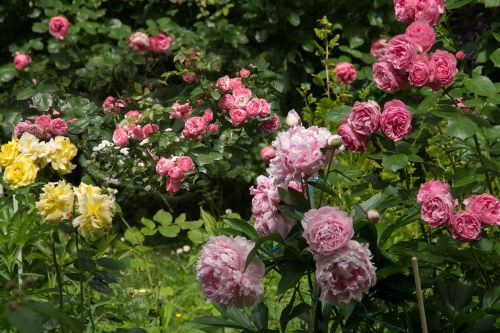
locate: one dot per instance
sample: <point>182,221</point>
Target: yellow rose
<point>61,151</point>
<point>29,145</point>
<point>9,152</point>
<point>56,201</point>
<point>21,172</point>
<point>96,213</point>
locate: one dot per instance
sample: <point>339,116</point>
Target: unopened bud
<point>334,140</point>
<point>460,55</point>
<point>373,215</point>
<point>292,119</point>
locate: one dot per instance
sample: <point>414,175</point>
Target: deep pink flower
<point>427,11</point>
<point>44,121</point>
<point>160,43</point>
<point>465,226</point>
<point>241,97</point>
<point>244,72</point>
<point>437,210</point>
<point>58,126</point>
<point>267,153</point>
<point>213,128</point>
<point>401,51</point>
<point>149,129</point>
<point>195,127</point>
<point>460,55</point>
<point>431,188</point>
<point>345,72</point>
<point>181,110</point>
<point>265,108</point>
<point>173,186</point>
<point>271,125</point>
<point>164,165</point>
<point>134,131</point>
<point>185,163</point>
<point>59,27</point>
<point>189,78</point>
<point>226,102</point>
<point>485,206</point>
<point>422,34</point>
<point>405,10</point>
<point>351,140</point>
<point>395,121</point>
<point>387,78</point>
<point>208,116</point>
<point>21,60</point>
<point>235,83</point>
<point>419,72</point>
<point>238,116</point>
<point>175,172</point>
<point>443,68</point>
<point>139,42</point>
<point>120,137</point>
<point>223,84</point>
<point>254,107</point>
<point>364,117</point>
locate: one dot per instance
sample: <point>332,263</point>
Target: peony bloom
<point>437,210</point>
<point>427,11</point>
<point>267,153</point>
<point>404,10</point>
<point>401,51</point>
<point>485,206</point>
<point>96,210</point>
<point>443,68</point>
<point>346,274</point>
<point>378,48</point>
<point>387,78</point>
<point>292,118</point>
<point>21,60</point>
<point>172,186</point>
<point>244,72</point>
<point>226,102</point>
<point>185,163</point>
<point>238,116</point>
<point>298,153</point>
<point>21,127</point>
<point>395,121</point>
<point>431,188</point>
<point>164,165</point>
<point>345,72</point>
<point>194,127</point>
<point>59,27</point>
<point>327,229</point>
<point>160,43</point>
<point>56,201</point>
<point>271,125</point>
<point>58,126</point>
<point>241,97</point>
<point>222,273</point>
<point>139,42</point>
<point>422,34</point>
<point>120,137</point>
<point>364,117</point>
<point>465,227</point>
<point>62,151</point>
<point>419,73</point>
<point>181,110</point>
<point>21,172</point>
<point>223,84</point>
<point>351,140</point>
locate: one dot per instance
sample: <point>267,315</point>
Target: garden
<point>249,166</point>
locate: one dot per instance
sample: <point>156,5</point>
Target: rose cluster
<point>43,127</point>
<point>404,59</point>
<point>196,126</point>
<point>130,129</point>
<point>438,210</point>
<point>141,43</point>
<point>173,169</point>
<point>113,105</point>
<point>365,119</point>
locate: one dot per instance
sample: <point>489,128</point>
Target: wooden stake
<point>420,298</point>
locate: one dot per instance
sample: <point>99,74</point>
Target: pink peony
<point>364,117</point>
<point>59,27</point>
<point>208,116</point>
<point>395,121</point>
<point>345,72</point>
<point>419,72</point>
<point>465,226</point>
<point>195,127</point>
<point>223,84</point>
<point>244,72</point>
<point>226,102</point>
<point>58,126</point>
<point>164,165</point>
<point>149,129</point>
<point>427,11</point>
<point>222,273</point>
<point>401,51</point>
<point>292,118</point>
<point>271,125</point>
<point>422,34</point>
<point>160,43</point>
<point>238,116</point>
<point>430,189</point>
<point>173,186</point>
<point>351,140</point>
<point>21,60</point>
<point>213,128</point>
<point>387,78</point>
<point>298,153</point>
<point>346,274</point>
<point>139,42</point>
<point>181,110</point>
<point>241,97</point>
<point>378,48</point>
<point>267,153</point>
<point>485,206</point>
<point>185,163</point>
<point>443,68</point>
<point>437,210</point>
<point>120,137</point>
<point>327,229</point>
<point>404,10</point>
<point>21,127</point>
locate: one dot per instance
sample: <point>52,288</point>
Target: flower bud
<point>460,55</point>
<point>373,215</point>
<point>292,119</point>
<point>334,140</point>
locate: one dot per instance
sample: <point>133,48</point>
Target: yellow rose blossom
<point>96,213</point>
<point>9,152</point>
<point>29,145</point>
<point>62,151</point>
<point>56,201</point>
<point>21,172</point>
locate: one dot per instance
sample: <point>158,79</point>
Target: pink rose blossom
<point>164,165</point>
<point>58,126</point>
<point>271,125</point>
<point>437,210</point>
<point>485,206</point>
<point>430,189</point>
<point>175,172</point>
<point>235,83</point>
<point>395,121</point>
<point>21,127</point>
<point>107,105</point>
<point>44,121</point>
<point>378,48</point>
<point>347,274</point>
<point>364,117</point>
<point>195,127</point>
<point>139,42</point>
<point>134,131</point>
<point>133,115</point>
<point>419,72</point>
<point>465,226</point>
<point>267,153</point>
<point>185,163</point>
<point>244,72</point>
<point>265,108</point>
<point>173,186</point>
<point>254,107</point>
<point>238,116</point>
<point>427,11</point>
<point>241,97</point>
<point>351,140</point>
<point>59,27</point>
<point>160,43</point>
<point>181,110</point>
<point>149,129</point>
<point>223,84</point>
<point>222,273</point>
<point>443,68</point>
<point>461,105</point>
<point>440,4</point>
<point>422,34</point>
<point>460,55</point>
<point>189,78</point>
<point>326,229</point>
<point>404,10</point>
<point>226,102</point>
<point>345,72</point>
<point>120,137</point>
<point>401,51</point>
<point>208,116</point>
<point>21,60</point>
<point>387,78</point>
<point>39,132</point>
<point>213,128</point>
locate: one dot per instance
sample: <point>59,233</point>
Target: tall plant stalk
<point>58,277</point>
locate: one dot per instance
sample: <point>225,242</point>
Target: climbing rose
<point>378,48</point>
<point>180,110</point>
<point>387,78</point>
<point>267,153</point>
<point>21,127</point>
<point>271,125</point>
<point>254,107</point>
<point>427,11</point>
<point>139,42</point>
<point>395,121</point>
<point>364,117</point>
<point>160,43</point>
<point>422,35</point>
<point>419,72</point>
<point>244,72</point>
<point>345,72</point>
<point>437,210</point>
<point>485,206</point>
<point>351,140</point>
<point>222,273</point>
<point>148,129</point>
<point>194,127</point>
<point>120,137</point>
<point>21,60</point>
<point>238,116</point>
<point>241,97</point>
<point>59,27</point>
<point>213,128</point>
<point>185,163</point>
<point>404,10</point>
<point>164,165</point>
<point>346,274</point>
<point>208,115</point>
<point>223,84</point>
<point>465,227</point>
<point>431,188</point>
<point>58,126</point>
<point>443,68</point>
<point>226,102</point>
<point>173,186</point>
<point>401,51</point>
<point>44,121</point>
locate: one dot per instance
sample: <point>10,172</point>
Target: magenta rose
<point>465,227</point>
<point>351,140</point>
<point>164,165</point>
<point>387,78</point>
<point>139,42</point>
<point>160,43</point>
<point>427,11</point>
<point>364,117</point>
<point>267,153</point>
<point>59,27</point>
<point>271,125</point>
<point>422,34</point>
<point>223,84</point>
<point>241,97</point>
<point>431,188</point>
<point>395,121</point>
<point>21,60</point>
<point>378,48</point>
<point>173,186</point>
<point>185,163</point>
<point>226,102</point>
<point>485,206</point>
<point>58,126</point>
<point>195,127</point>
<point>345,72</point>
<point>419,73</point>
<point>404,10</point>
<point>327,229</point>
<point>238,116</point>
<point>401,51</point>
<point>437,210</point>
<point>120,137</point>
<point>443,68</point>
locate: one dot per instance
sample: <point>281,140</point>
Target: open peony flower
<point>395,121</point>
<point>437,210</point>
<point>327,229</point>
<point>465,226</point>
<point>431,188</point>
<point>345,72</point>
<point>56,201</point>
<point>59,27</point>
<point>347,274</point>
<point>364,117</point>
<point>485,206</point>
<point>222,274</point>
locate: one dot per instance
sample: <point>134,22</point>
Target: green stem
<point>59,278</point>
<point>326,178</point>
<point>314,306</point>
<point>486,174</point>
<point>481,268</point>
<point>81,276</point>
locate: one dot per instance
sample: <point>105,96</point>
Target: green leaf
<point>395,162</point>
<point>481,85</point>
<point>25,93</point>
<point>461,127</point>
<point>243,227</point>
<point>163,217</point>
<point>195,236</point>
<point>495,57</point>
<point>293,19</point>
<point>428,102</point>
<point>491,296</point>
<point>134,236</point>
<point>290,277</point>
<point>148,223</point>
<point>169,230</point>
<point>454,4</point>
<point>217,322</point>
<point>260,315</point>
<point>42,101</point>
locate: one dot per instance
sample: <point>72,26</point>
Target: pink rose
<point>226,102</point>
<point>241,97</point>
<point>443,68</point>
<point>404,10</point>
<point>364,117</point>
<point>235,83</point>
<point>223,84</point>
<point>265,108</point>
<point>440,4</point>
<point>267,153</point>
<point>21,60</point>
<point>422,34</point>
<point>437,210</point>
<point>149,129</point>
<point>351,140</point>
<point>387,78</point>
<point>189,78</point>
<point>21,127</point>
<point>120,137</point>
<point>395,121</point>
<point>58,126</point>
<point>38,131</point>
<point>213,128</point>
<point>461,105</point>
<point>139,42</point>
<point>465,227</point>
<point>327,229</point>
<point>419,73</point>
<point>208,116</point>
<point>347,274</point>
<point>430,189</point>
<point>175,172</point>
<point>253,107</point>
<point>134,116</point>
<point>164,165</point>
<point>460,55</point>
<point>134,131</point>
<point>181,110</point>
<point>195,127</point>
<point>238,116</point>
<point>59,27</point>
<point>44,121</point>
<point>427,11</point>
<point>401,51</point>
<point>160,43</point>
<point>271,125</point>
<point>244,72</point>
<point>173,186</point>
<point>222,273</point>
<point>107,105</point>
<point>378,48</point>
<point>485,206</point>
<point>185,163</point>
<point>345,72</point>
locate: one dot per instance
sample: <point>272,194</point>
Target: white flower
<point>186,248</point>
<point>147,188</point>
<point>179,251</point>
<point>124,151</point>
